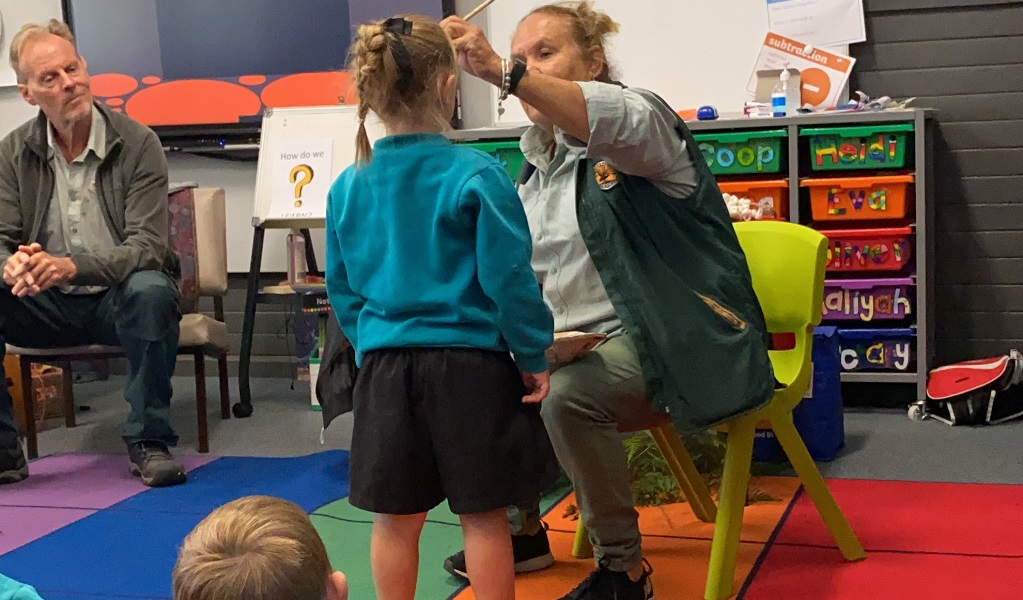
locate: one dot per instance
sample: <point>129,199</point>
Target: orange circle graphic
<point>816,86</point>
<point>252,80</point>
<point>112,84</point>
<point>309,89</point>
<point>193,102</point>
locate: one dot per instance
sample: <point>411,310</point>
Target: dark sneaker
<point>154,463</point>
<point>13,468</point>
<point>605,584</point>
<point>532,553</point>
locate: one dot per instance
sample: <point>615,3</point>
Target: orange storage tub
<point>773,193</point>
<point>859,198</point>
<point>851,250</point>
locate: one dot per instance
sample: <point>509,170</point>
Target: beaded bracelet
<point>506,80</point>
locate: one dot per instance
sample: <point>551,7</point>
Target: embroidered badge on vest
<point>606,176</point>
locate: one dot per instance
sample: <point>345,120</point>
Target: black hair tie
<point>398,26</point>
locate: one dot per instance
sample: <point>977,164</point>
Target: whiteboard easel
<point>282,126</point>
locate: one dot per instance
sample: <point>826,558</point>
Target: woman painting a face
<point>631,239</point>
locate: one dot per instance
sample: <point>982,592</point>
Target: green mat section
<point>348,548</point>
<point>346,532</point>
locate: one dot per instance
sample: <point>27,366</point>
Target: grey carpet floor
<point>880,444</point>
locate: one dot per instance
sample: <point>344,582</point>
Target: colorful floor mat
<point>675,542</point>
<point>81,528</point>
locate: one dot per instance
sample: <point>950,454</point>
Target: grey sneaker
<point>153,462</point>
<point>13,467</point>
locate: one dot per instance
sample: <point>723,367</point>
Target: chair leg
<point>685,472</point>
<point>29,404</point>
<point>200,401</point>
<point>731,503</point>
<point>225,389</point>
<point>581,547</point>
<point>69,394</point>
<point>813,483</point>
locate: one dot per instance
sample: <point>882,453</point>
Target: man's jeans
<point>141,315</point>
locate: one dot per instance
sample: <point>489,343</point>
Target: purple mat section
<point>81,481</point>
<point>20,526</point>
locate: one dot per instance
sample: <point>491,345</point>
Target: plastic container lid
<point>855,181</point>
<point>738,137</point>
<point>861,131</point>
<point>863,284</point>
<point>867,334</point>
<point>859,233</point>
<point>494,146</point>
<point>753,184</point>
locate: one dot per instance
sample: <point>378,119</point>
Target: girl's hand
<point>472,50</point>
<point>538,385</point>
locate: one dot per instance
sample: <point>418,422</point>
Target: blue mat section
<point>128,550</point>
<point>109,554</point>
<point>309,481</point>
<point>85,596</point>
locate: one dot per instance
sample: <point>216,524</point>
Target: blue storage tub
<point>819,417</point>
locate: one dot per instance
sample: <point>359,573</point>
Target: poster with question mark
<point>302,178</point>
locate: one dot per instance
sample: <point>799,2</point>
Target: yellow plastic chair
<point>787,262</point>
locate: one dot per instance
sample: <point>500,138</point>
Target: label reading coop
<point>742,152</point>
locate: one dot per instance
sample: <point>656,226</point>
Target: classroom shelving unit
<point>919,163</point>
<point>794,165</point>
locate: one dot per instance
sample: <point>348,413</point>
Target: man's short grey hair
<point>30,32</point>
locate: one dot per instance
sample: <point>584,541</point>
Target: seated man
<point>84,245</point>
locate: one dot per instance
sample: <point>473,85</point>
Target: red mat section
<point>918,517</point>
<point>933,541</point>
<point>802,572</point>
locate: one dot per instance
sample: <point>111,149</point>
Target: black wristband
<point>517,72</point>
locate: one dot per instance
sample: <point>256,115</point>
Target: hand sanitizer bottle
<point>780,105</point>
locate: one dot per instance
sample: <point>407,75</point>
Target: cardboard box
<point>47,390</point>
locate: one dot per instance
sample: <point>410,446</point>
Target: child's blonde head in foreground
<point>404,71</point>
<point>256,548</point>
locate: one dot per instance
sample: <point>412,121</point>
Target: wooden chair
<point>199,237</point>
<point>787,262</point>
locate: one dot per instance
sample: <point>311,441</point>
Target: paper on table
<point>819,22</point>
<point>822,74</point>
<point>570,346</point>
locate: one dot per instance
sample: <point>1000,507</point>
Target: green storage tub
<point>506,152</point>
<point>742,152</point>
<point>866,147</point>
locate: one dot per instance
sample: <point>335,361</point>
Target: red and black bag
<point>975,392</point>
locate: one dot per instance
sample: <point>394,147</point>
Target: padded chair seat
<point>71,351</point>
<point>201,330</point>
